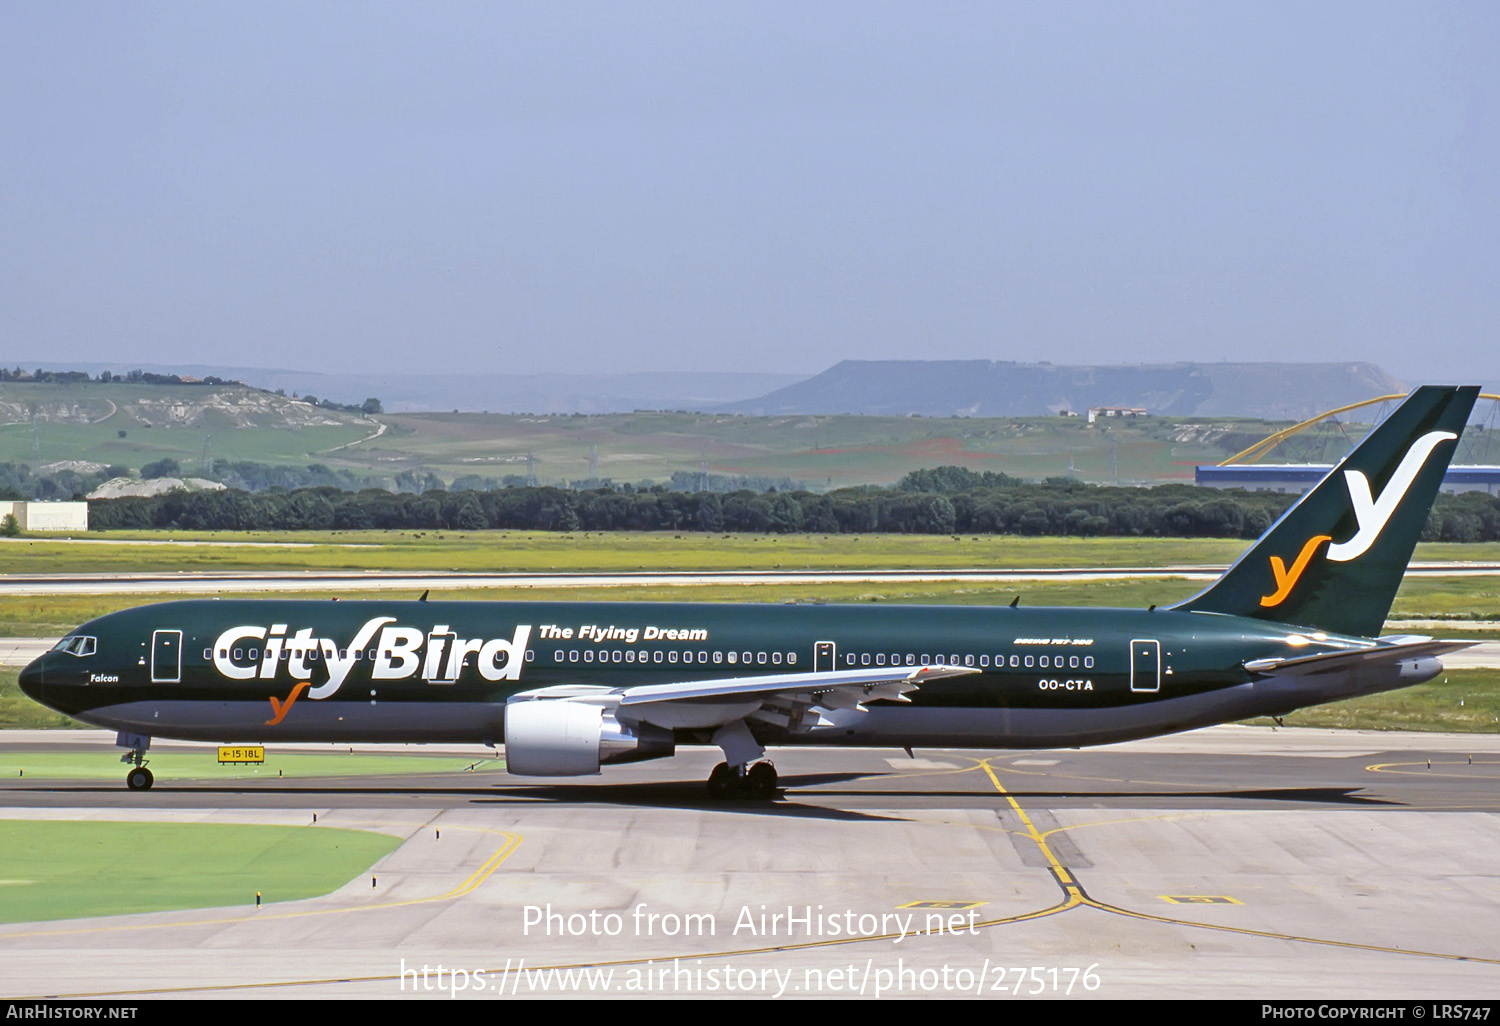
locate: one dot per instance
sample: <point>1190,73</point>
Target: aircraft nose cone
<point>33,677</point>
<point>48,688</point>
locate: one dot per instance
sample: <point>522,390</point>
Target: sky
<point>498,187</point>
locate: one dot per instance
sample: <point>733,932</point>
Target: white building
<point>47,516</point>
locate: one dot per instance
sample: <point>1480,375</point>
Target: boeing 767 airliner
<point>569,687</point>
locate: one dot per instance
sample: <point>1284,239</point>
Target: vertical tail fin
<point>1335,559</point>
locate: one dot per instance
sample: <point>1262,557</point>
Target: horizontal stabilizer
<point>1331,662</point>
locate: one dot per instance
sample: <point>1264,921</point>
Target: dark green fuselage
<point>230,670</point>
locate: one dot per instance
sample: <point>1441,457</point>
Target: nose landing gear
<point>139,778</point>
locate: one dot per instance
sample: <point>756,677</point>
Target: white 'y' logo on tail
<point>1373,513</point>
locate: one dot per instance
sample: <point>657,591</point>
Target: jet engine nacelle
<point>556,738</point>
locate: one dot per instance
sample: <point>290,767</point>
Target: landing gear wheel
<point>139,779</point>
<point>760,782</point>
<point>721,782</point>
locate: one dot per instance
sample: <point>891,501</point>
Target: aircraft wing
<point>778,698</point>
<point>892,682</point>
<point>1330,662</point>
<point>782,699</point>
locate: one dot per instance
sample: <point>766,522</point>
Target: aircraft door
<point>166,657</point>
<point>1145,664</point>
<point>825,656</point>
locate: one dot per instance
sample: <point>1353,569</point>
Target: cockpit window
<point>77,645</point>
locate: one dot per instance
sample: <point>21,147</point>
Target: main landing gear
<point>139,778</point>
<point>757,782</point>
<point>741,774</point>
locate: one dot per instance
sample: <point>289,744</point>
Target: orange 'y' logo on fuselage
<point>1287,579</point>
<point>282,708</point>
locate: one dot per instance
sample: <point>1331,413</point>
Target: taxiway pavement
<point>1229,862</point>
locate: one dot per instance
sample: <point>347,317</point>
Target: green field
<point>818,452</point>
<point>134,424</point>
<point>55,442</point>
<point>1460,701</point>
<point>544,551</point>
<point>63,870</point>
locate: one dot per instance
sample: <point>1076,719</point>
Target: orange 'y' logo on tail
<point>1287,579</point>
<point>282,708</point>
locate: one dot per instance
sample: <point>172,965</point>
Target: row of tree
<point>135,377</point>
<point>250,476</point>
<point>1049,508</point>
<point>19,481</point>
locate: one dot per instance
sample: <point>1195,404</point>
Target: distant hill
<point>529,393</point>
<point>478,390</point>
<point>120,423</point>
<point>984,388</point>
<point>127,405</point>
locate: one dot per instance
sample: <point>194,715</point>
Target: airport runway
<point>1232,862</point>
<point>200,582</point>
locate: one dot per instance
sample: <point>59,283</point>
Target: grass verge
<point>65,870</point>
<point>203,766</point>
<point>1460,701</point>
